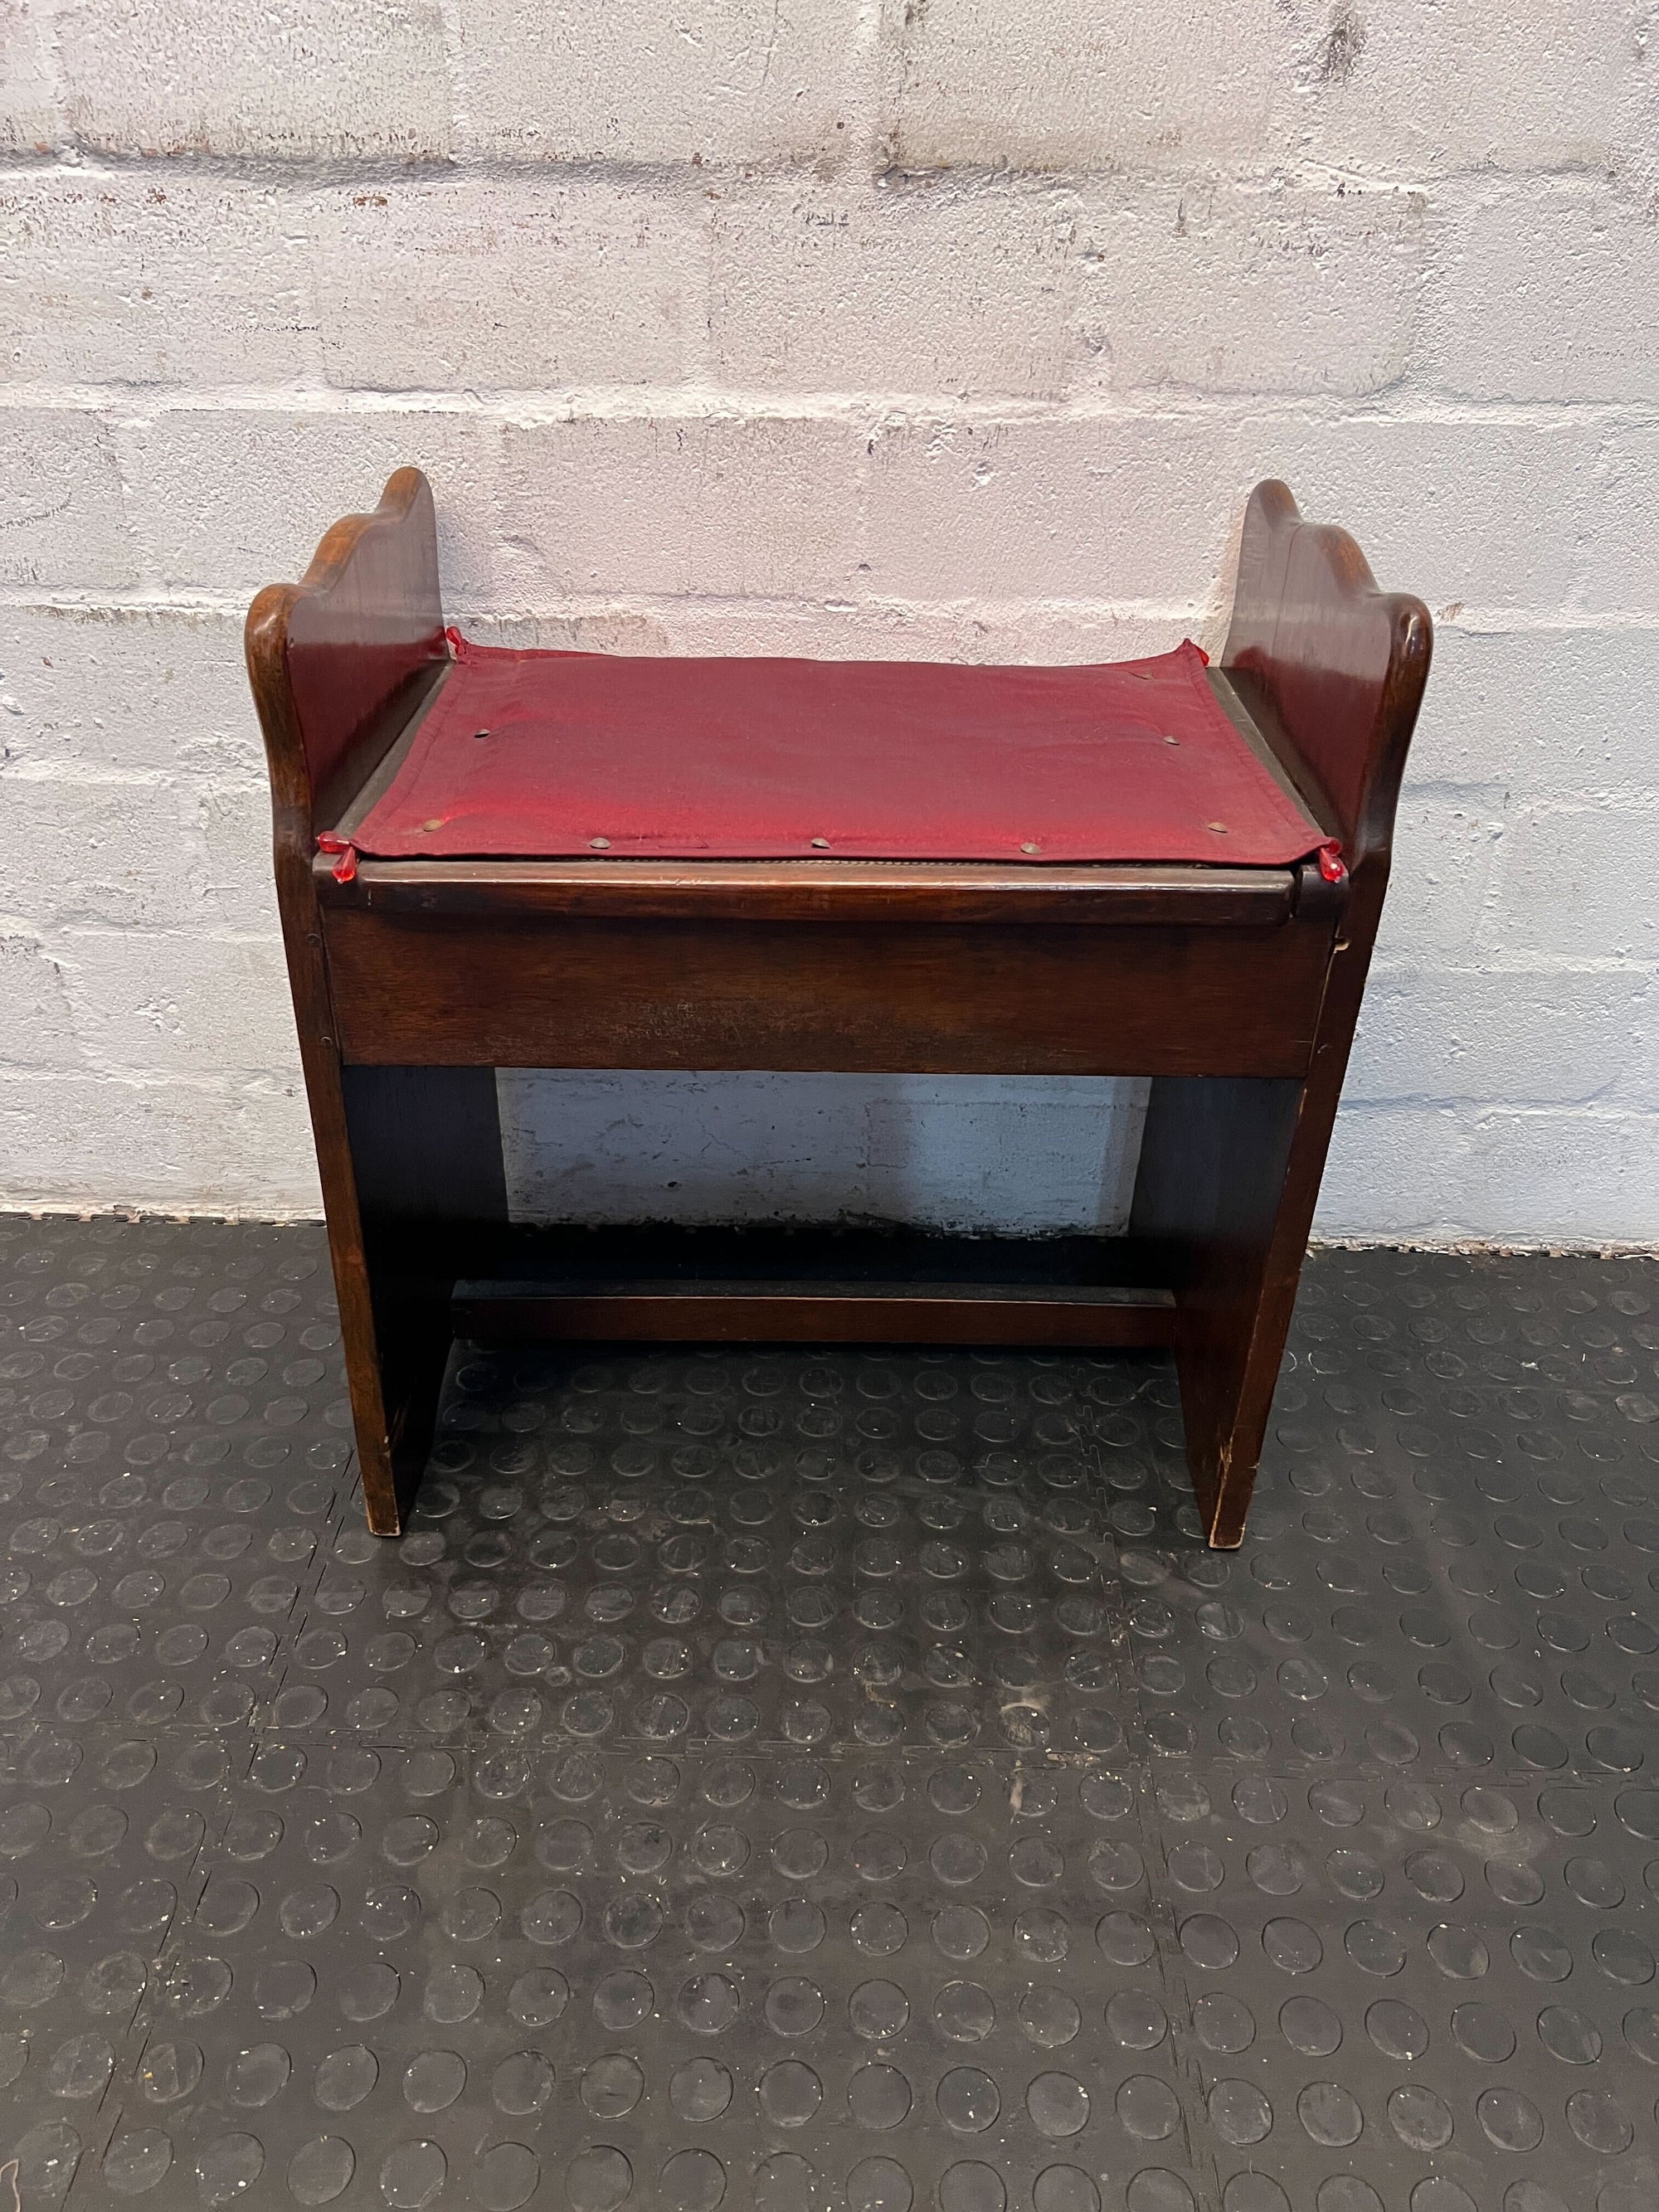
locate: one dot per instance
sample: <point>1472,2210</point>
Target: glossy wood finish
<point>1333,669</point>
<point>364,640</point>
<point>927,999</point>
<point>817,890</point>
<point>714,1312</point>
<point>1236,990</point>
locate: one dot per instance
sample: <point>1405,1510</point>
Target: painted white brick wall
<point>849,327</point>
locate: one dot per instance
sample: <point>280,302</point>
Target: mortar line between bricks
<point>1402,404</point>
<point>76,156</point>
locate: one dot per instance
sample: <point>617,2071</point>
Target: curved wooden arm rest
<point>1332,668</point>
<point>337,661</point>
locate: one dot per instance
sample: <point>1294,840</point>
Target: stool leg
<point>1229,1178</point>
<point>353,1287</point>
<point>324,1094</point>
<point>1225,1190</point>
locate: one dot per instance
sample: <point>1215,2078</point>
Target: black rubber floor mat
<point>831,1779</point>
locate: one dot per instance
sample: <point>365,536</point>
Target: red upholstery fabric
<point>541,755</point>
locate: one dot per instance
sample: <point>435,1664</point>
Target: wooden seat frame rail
<point>1235,991</point>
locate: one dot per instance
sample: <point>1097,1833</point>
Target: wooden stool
<point>489,859</point>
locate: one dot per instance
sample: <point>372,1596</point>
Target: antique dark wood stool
<point>489,859</point>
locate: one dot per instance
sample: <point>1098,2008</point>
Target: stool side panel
<point>332,662</point>
<point>367,627</point>
<point>1333,668</point>
<point>1332,671</point>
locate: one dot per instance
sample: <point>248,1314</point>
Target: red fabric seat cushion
<point>545,754</point>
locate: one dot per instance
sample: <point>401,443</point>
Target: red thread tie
<point>345,866</point>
